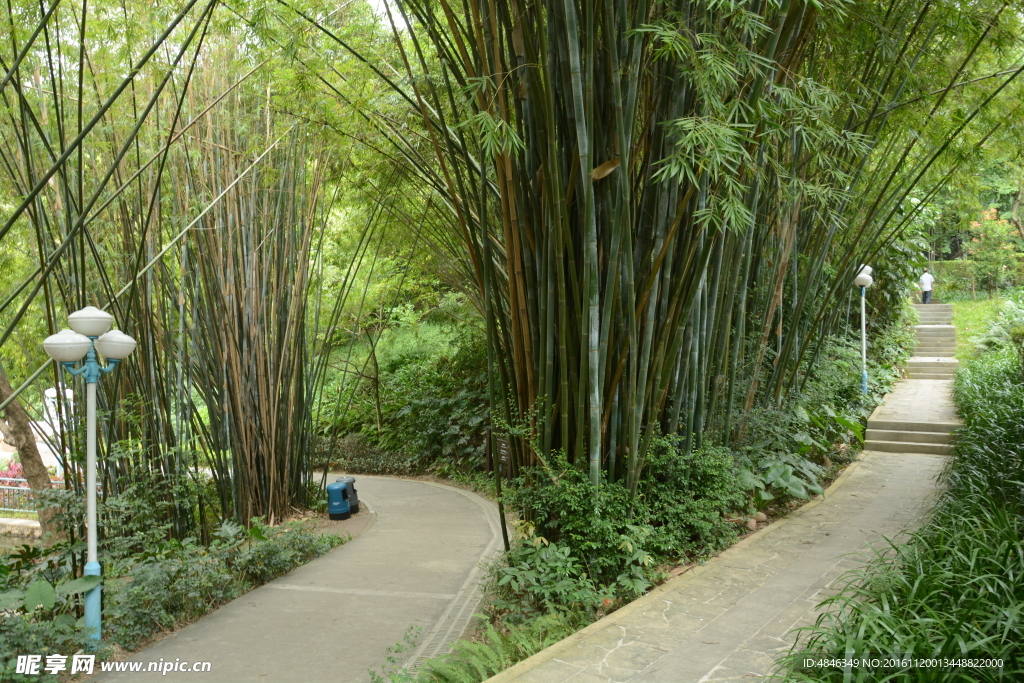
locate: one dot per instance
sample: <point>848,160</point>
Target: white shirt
<point>926,282</point>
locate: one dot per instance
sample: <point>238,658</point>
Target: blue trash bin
<point>353,495</point>
<point>337,501</point>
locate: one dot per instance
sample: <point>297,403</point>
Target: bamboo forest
<point>512,340</point>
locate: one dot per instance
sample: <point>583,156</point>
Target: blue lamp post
<point>863,280</point>
<point>90,334</point>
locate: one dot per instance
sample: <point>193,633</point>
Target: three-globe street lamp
<point>863,280</point>
<point>90,332</point>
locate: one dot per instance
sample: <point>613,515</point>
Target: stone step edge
<point>901,426</point>
<point>908,447</point>
<point>886,436</point>
<point>22,528</point>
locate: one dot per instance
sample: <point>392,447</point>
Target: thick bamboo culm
<point>663,203</point>
<point>196,232</point>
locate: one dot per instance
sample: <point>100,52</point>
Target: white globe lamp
<point>115,345</point>
<point>67,346</point>
<point>90,321</point>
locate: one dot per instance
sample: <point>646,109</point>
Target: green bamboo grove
<point>658,207</point>
<point>176,199</point>
<point>663,204</point>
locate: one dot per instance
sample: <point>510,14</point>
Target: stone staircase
<point>893,436</point>
<point>936,344</point>
<point>919,415</point>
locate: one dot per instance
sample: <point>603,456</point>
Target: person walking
<point>926,286</point>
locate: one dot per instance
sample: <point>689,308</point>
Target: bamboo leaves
<point>654,238</point>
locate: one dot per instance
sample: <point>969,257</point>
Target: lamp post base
<point>93,602</point>
<point>864,381</point>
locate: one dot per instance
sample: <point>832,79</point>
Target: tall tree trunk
<point>17,428</point>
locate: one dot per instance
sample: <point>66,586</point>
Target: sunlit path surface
<point>418,564</point>
<point>729,619</point>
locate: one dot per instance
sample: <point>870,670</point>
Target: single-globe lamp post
<point>90,332</point>
<point>863,280</point>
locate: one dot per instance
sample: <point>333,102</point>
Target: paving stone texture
<point>729,619</point>
<point>416,562</point>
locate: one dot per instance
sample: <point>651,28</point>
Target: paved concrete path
<point>729,619</point>
<point>417,563</point>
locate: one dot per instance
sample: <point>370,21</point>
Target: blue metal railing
<point>16,496</point>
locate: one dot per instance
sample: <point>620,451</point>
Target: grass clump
<point>955,590</point>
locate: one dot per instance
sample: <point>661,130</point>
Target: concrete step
<point>933,307</point>
<point>936,343</point>
<point>897,425</point>
<point>933,364</point>
<point>930,375</point>
<point>935,330</point>
<point>912,437</point>
<point>909,447</point>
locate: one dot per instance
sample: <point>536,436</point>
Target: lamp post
<point>863,280</point>
<point>90,332</point>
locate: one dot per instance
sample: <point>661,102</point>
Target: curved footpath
<point>729,619</point>
<point>416,562</point>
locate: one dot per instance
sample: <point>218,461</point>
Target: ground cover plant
<point>149,586</point>
<point>972,319</point>
<point>572,562</point>
<point>953,591</point>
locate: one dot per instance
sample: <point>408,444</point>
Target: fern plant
<point>473,662</point>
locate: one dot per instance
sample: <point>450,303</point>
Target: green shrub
<point>180,582</point>
<point>544,578</point>
<point>433,410</point>
<point>685,496</point>
<point>998,334</point>
<point>677,513</point>
<point>283,549</point>
<point>1017,340</point>
<point>165,584</point>
<point>31,633</point>
<point>560,501</point>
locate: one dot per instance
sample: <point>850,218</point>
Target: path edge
<point>654,595</point>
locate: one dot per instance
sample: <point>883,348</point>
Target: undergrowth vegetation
<point>954,590</point>
<point>146,590</point>
<point>574,560</point>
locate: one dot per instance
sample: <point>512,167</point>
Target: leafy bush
<point>605,536</point>
<point>678,512</point>
<point>1017,340</point>
<point>953,589</point>
<point>283,549</point>
<point>433,410</point>
<point>541,578</point>
<point>167,583</point>
<point>684,496</point>
<point>35,614</point>
<point>180,582</point>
